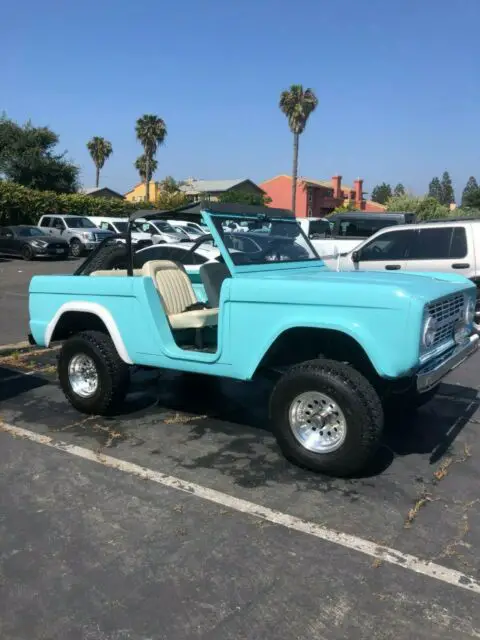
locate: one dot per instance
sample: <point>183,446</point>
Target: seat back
<point>172,283</point>
<point>212,275</point>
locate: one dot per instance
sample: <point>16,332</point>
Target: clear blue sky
<point>397,82</point>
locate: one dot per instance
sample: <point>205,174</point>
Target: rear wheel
<point>27,252</point>
<point>326,417</point>
<point>76,248</point>
<point>92,375</point>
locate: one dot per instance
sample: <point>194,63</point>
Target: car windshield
<point>164,227</point>
<point>121,226</point>
<point>79,223</point>
<point>29,232</point>
<point>266,241</point>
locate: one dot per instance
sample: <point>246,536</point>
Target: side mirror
<point>356,256</point>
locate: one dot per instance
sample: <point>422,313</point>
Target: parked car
<point>335,343</point>
<point>119,226</point>
<point>81,234</point>
<point>447,246</point>
<point>348,230</point>
<point>159,230</point>
<point>192,229</point>
<point>31,242</point>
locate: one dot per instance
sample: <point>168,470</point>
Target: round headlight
<point>429,330</point>
<point>470,311</point>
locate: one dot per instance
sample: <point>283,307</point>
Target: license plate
<point>59,251</point>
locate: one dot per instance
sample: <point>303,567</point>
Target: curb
<point>5,349</point>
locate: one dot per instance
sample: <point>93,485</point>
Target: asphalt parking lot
<point>15,276</point>
<point>179,518</point>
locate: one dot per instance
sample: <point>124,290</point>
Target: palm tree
<point>100,149</point>
<point>151,132</point>
<point>141,166</point>
<point>297,104</point>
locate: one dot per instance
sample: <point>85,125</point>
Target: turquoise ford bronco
<point>342,346</point>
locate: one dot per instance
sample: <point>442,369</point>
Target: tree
<point>245,197</point>
<point>297,104</point>
<point>346,207</point>
<point>448,195</point>
<point>141,166</point>
<point>381,193</point>
<point>435,190</point>
<point>169,185</point>
<point>100,150</point>
<point>27,157</point>
<point>171,200</point>
<point>399,190</point>
<point>471,185</point>
<point>471,199</point>
<point>151,132</point>
<point>426,208</point>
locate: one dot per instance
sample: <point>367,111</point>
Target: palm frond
<point>297,104</point>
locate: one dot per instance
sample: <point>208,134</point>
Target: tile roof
<point>326,183</point>
<point>208,186</point>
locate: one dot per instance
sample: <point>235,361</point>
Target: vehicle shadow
<point>13,383</point>
<point>239,412</point>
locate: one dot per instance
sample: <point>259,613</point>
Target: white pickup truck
<point>342,232</point>
<point>445,246</point>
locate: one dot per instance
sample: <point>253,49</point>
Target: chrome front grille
<point>447,313</point>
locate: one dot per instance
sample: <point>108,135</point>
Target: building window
<point>310,196</point>
<point>309,212</point>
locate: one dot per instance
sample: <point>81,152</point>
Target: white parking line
<point>354,543</point>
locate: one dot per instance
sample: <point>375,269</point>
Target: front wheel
<point>27,252</point>
<point>76,248</point>
<point>326,417</point>
<point>92,375</point>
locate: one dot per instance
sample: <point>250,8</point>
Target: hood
<point>423,286</point>
<point>172,237</point>
<point>141,235</point>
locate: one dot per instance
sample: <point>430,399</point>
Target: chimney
<point>358,185</point>
<point>337,186</point>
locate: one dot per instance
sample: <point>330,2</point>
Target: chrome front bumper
<point>438,369</point>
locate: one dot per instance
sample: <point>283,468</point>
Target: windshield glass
<point>164,226</point>
<point>28,232</point>
<point>79,223</point>
<point>266,241</point>
<point>361,228</point>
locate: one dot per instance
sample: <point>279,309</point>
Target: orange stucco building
<point>317,198</point>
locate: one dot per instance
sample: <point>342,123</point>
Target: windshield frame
<point>209,218</point>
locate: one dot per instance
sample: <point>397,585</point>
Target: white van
<point>118,225</point>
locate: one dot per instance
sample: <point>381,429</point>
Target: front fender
<point>389,337</point>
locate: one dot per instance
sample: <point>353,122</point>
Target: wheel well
<point>72,322</point>
<point>305,343</point>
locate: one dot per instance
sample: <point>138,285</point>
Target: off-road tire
<point>357,399</point>
<point>113,373</point>
<point>76,248</point>
<point>113,256</point>
<point>27,252</point>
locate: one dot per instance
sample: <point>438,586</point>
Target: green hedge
<point>19,205</point>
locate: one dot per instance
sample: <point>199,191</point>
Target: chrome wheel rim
<point>83,375</point>
<point>317,422</point>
